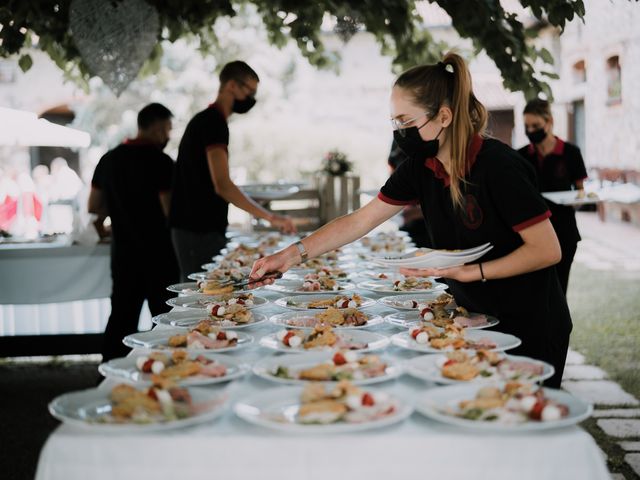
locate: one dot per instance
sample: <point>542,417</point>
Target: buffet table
<point>54,272</point>
<point>230,448</point>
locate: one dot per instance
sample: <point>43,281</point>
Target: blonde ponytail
<point>469,119</point>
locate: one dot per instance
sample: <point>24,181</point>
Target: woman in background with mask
<point>472,190</point>
<point>560,167</point>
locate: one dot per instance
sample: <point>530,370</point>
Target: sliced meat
<point>213,370</point>
<point>471,321</point>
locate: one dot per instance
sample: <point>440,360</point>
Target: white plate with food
<point>510,407</point>
<point>414,301</point>
<point>429,339</point>
<point>324,338</point>
<point>378,274</point>
<point>358,368</point>
<point>217,340</point>
<point>306,287</point>
<point>338,318</point>
<point>213,272</point>
<point>339,274</point>
<point>477,367</point>
<point>315,409</point>
<point>403,286</point>
<point>381,248</point>
<point>185,288</point>
<point>206,302</point>
<point>415,318</point>
<point>190,318</point>
<point>573,197</point>
<point>324,301</point>
<point>127,409</point>
<point>180,366</point>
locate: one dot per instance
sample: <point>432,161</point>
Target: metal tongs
<point>247,282</point>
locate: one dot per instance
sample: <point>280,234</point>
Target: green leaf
<point>546,56</point>
<point>25,62</point>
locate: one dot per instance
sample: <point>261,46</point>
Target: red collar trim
<point>138,141</point>
<point>557,150</point>
<point>438,169</point>
<point>217,107</point>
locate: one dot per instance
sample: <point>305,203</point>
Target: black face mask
<point>243,106</point>
<point>412,144</point>
<point>536,136</point>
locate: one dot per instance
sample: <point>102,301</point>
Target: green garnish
<point>282,372</point>
<point>344,375</point>
<point>472,414</point>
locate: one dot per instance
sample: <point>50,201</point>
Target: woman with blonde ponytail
<point>472,190</point>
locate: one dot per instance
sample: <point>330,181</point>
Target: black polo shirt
<point>500,199</point>
<point>130,177</point>
<point>195,205</point>
<point>559,171</point>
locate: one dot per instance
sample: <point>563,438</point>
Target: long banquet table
<point>229,448</point>
<point>27,278</point>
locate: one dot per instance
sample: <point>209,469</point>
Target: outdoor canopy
<point>25,129</point>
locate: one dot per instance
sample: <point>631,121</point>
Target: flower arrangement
<point>336,163</point>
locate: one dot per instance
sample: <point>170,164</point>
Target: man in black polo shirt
<point>131,185</point>
<point>202,188</point>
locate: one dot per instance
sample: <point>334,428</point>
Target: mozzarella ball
<point>140,361</point>
<point>295,341</point>
<point>354,402</point>
<point>157,367</point>
<point>527,403</point>
<point>422,338</point>
<point>380,397</point>
<point>350,356</point>
<point>550,413</point>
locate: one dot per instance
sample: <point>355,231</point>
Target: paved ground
<point>611,247</point>
<point>608,246</point>
<point>25,389</point>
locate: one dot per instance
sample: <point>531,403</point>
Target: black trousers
<point>136,279</point>
<point>564,267</point>
<point>193,249</point>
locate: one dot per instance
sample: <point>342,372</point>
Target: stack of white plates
<point>427,258</point>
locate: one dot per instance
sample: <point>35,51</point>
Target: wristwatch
<point>303,251</point>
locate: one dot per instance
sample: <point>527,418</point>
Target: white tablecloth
<point>229,448</point>
<point>53,273</point>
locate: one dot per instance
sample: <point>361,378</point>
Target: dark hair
<point>237,70</point>
<point>449,83</point>
<point>539,107</point>
<point>151,114</point>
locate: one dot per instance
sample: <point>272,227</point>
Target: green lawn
<point>605,307</point>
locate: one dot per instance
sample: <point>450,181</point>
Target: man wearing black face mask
<point>202,186</point>
<point>560,167</point>
<point>131,184</point>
